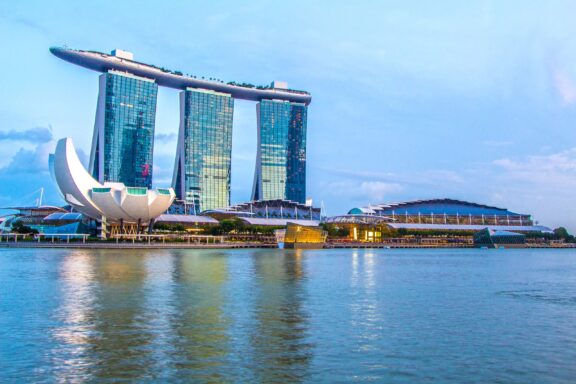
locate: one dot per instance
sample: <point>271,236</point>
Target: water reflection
<point>285,316</point>
<point>173,315</point>
<point>281,352</point>
<point>366,313</point>
<point>121,344</point>
<point>104,317</point>
<point>160,307</point>
<point>73,363</point>
<point>201,327</point>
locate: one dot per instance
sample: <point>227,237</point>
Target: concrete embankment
<point>384,245</point>
<point>130,245</point>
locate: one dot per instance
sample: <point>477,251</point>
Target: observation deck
<point>103,62</point>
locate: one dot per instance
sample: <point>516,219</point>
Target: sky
<point>470,100</point>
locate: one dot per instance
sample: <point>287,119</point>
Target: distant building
<point>281,156</point>
<point>276,212</point>
<point>490,238</point>
<point>203,158</point>
<point>368,223</point>
<point>301,237</point>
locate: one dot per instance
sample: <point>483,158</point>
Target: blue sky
<point>471,100</point>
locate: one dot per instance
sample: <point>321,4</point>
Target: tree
<point>561,233</point>
<point>227,226</point>
<point>19,227</point>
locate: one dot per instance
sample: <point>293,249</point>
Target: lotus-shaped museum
<point>112,202</point>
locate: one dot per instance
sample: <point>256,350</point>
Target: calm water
<point>441,316</point>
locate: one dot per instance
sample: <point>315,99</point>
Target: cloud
<point>564,86</point>
<point>370,190</point>
<point>425,177</point>
<point>32,135</point>
<point>542,168</point>
<point>29,23</point>
<point>27,161</point>
<point>163,170</point>
<point>165,137</point>
<point>542,185</point>
<point>377,190</point>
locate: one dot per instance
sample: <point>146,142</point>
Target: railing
<point>46,236</point>
<point>208,239</point>
<point>14,236</point>
<point>59,236</point>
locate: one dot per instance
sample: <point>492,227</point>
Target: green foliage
<point>561,233</point>
<point>335,231</point>
<point>19,227</point>
<point>169,227</point>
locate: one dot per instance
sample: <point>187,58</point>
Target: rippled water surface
<point>442,316</point>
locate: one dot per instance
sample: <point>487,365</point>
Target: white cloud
<point>361,192</point>
<point>542,185</point>
<point>32,135</point>
<point>378,190</point>
<point>565,87</point>
<point>557,169</point>
<point>27,161</point>
<point>165,137</point>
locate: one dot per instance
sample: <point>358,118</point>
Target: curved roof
<point>279,222</point>
<point>68,216</point>
<point>103,62</point>
<point>185,219</point>
<point>247,207</point>
<point>358,219</point>
<point>433,206</point>
<point>466,227</point>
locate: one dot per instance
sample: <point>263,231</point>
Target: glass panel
<point>281,158</point>
<point>101,190</point>
<point>137,191</point>
<point>129,121</point>
<point>207,130</point>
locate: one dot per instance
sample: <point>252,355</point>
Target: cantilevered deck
<point>103,62</point>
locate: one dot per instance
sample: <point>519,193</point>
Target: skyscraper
<point>281,154</point>
<point>203,158</point>
<point>123,142</point>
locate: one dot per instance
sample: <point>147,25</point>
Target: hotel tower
<point>123,141</point>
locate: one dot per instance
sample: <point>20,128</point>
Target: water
<point>395,316</point>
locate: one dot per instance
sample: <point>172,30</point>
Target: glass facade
<point>281,157</point>
<point>203,160</point>
<point>123,142</point>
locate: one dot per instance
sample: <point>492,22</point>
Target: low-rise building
<point>435,216</point>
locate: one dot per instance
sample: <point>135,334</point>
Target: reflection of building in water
<point>199,322</point>
<point>281,351</point>
<point>75,314</point>
<point>122,340</point>
<point>104,326</point>
<point>366,312</point>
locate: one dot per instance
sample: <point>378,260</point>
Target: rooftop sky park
<point>122,61</point>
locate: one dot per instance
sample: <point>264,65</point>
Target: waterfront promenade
<point>135,245</point>
<point>237,245</point>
